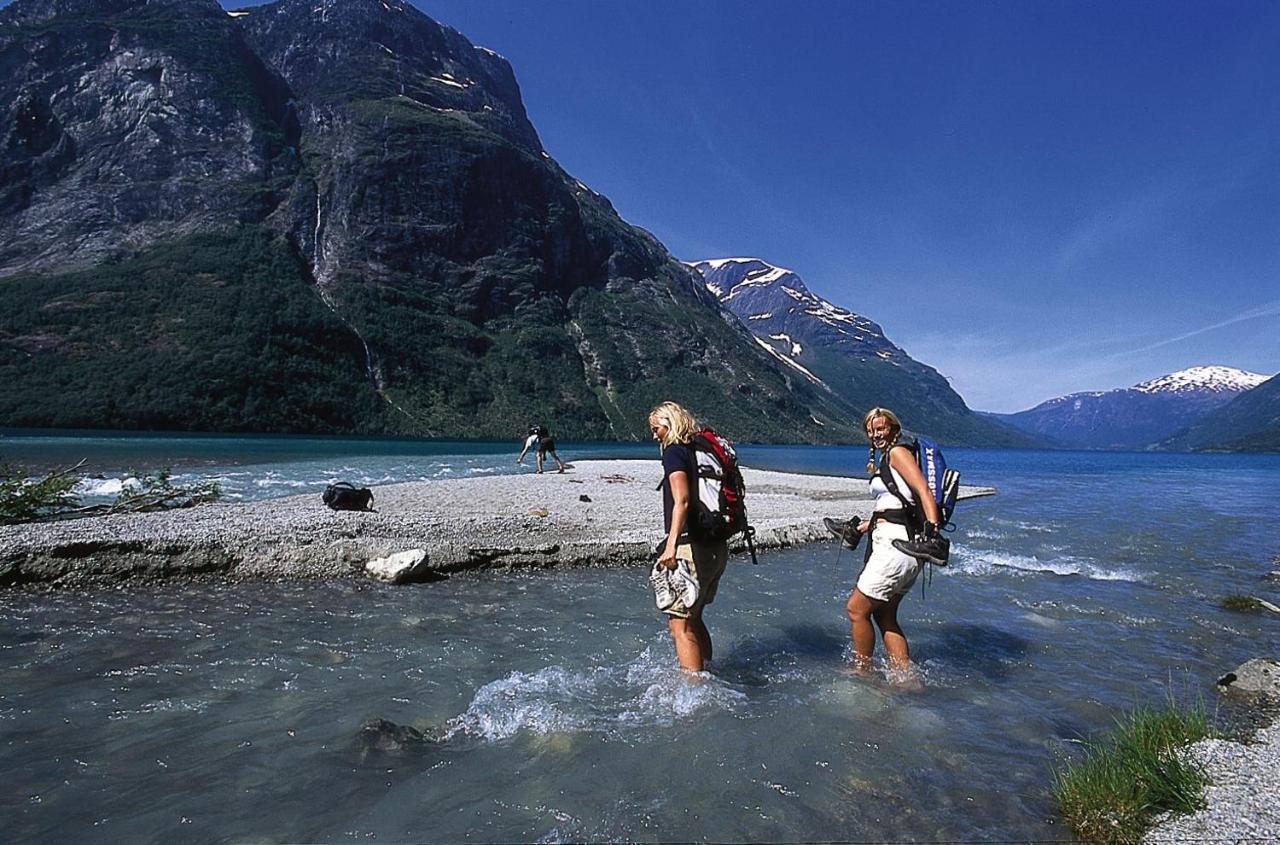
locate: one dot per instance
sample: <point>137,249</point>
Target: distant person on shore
<point>674,427</point>
<point>887,573</point>
<point>540,438</point>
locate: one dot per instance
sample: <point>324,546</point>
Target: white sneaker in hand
<point>683,584</point>
<point>663,595</point>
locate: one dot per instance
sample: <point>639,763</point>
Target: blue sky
<point>1036,198</point>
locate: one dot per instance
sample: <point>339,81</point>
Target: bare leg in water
<point>692,641</point>
<point>862,610</point>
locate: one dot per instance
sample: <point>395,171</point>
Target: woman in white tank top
<point>888,574</point>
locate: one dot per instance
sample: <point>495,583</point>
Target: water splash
<point>607,699</point>
<point>983,562</point>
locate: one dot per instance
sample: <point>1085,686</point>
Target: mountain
<point>1136,417</point>
<point>1248,423</point>
<point>845,353</point>
<point>334,216</point>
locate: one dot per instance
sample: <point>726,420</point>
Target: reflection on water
<point>549,708</point>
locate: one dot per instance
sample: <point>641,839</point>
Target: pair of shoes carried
<point>673,585</point>
<point>927,546</point>
<point>845,529</point>
<point>663,595</point>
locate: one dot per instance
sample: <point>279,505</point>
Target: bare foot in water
<point>905,680</point>
<point>861,666</point>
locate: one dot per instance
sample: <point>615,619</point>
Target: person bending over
<point>545,445</point>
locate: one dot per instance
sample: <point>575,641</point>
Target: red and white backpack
<point>720,508</point>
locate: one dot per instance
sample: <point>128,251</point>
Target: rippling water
<point>554,711</point>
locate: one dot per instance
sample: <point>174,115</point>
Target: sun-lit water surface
<point>553,710</point>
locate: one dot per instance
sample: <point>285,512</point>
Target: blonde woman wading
<point>887,574</point>
<point>673,427</point>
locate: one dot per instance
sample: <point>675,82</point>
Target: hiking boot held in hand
<point>929,545</point>
<point>845,529</point>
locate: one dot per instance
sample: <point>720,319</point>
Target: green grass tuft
<point>1127,779</point>
<point>1236,601</point>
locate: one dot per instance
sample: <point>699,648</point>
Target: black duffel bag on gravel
<point>345,496</point>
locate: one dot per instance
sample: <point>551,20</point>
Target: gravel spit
<point>597,513</point>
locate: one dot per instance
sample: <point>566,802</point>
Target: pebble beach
<point>597,513</point>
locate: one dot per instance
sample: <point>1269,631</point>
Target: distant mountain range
<point>845,353</point>
<point>1152,414</point>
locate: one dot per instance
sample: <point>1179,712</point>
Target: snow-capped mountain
<point>775,304</point>
<point>844,352</point>
<point>1135,417</point>
<point>1203,380</point>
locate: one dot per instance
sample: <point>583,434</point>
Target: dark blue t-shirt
<point>675,458</point>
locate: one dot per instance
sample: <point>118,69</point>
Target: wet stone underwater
<point>550,707</point>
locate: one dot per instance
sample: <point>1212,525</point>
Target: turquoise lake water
<point>227,714</point>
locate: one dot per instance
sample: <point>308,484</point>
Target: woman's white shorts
<point>888,572</point>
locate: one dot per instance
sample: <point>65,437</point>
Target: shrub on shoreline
<point>24,499</point>
<point>1133,775</point>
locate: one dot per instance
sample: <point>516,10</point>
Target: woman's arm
<point>679,483</point>
<point>901,459</point>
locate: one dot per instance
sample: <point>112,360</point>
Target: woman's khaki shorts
<point>888,572</point>
<point>707,560</point>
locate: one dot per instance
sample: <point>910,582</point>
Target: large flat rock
<point>526,520</point>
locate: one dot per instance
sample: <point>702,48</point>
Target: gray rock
<point>399,568</point>
<point>1259,675</point>
<point>388,737</point>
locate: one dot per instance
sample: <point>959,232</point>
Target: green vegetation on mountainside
<point>653,348</point>
<point>1248,423</point>
<point>216,332</point>
<point>919,395</point>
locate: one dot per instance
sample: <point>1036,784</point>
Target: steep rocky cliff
<point>129,122</point>
<point>407,257</point>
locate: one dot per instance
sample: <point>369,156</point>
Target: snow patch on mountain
<point>1209,379</point>
<point>446,78</point>
<point>717,263</point>
<point>796,349</point>
<point>793,364</point>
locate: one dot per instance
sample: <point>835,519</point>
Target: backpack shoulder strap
<point>886,475</point>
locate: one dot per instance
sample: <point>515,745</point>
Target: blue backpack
<point>943,481</point>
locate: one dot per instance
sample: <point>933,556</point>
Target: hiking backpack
<point>943,482</point>
<point>345,496</point>
<point>720,507</point>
